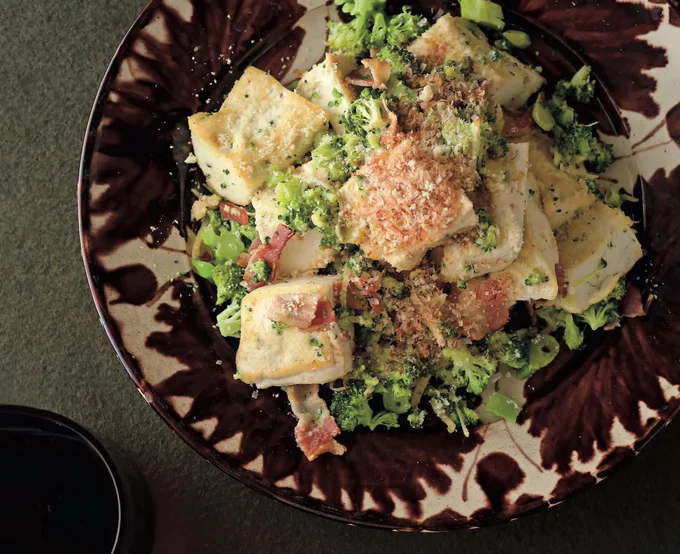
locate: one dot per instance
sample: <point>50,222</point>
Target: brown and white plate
<point>584,414</point>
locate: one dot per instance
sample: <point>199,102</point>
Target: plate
<point>585,414</point>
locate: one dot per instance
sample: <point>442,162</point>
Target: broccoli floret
<point>338,155</point>
<point>348,318</point>
<point>594,186</point>
<point>368,28</point>
<point>397,378</point>
<point>396,89</point>
<point>246,233</point>
<point>612,195</point>
<point>416,418</point>
<point>261,271</point>
<point>496,147</point>
<point>456,71</point>
<point>229,320</point>
<point>371,28</point>
<point>216,234</point>
<point>576,144</point>
<point>580,88</point>
<point>486,232</point>
<point>559,319</point>
<point>615,198</point>
<point>466,370</point>
<point>350,408</point>
<point>384,418</point>
<point>227,278</point>
<point>404,28</point>
<point>358,263</point>
<point>366,118</point>
<point>525,350</point>
<point>607,311</point>
<point>509,349</point>
<point>462,137</point>
<point>402,62</point>
<point>394,287</point>
<point>305,208</point>
<point>396,396</point>
<point>452,410</point>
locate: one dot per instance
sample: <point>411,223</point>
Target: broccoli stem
<point>504,407</point>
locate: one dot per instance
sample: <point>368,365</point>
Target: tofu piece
<point>403,203</point>
<point>266,358</point>
<point>318,84</point>
<point>302,253</point>
<point>533,272</point>
<point>462,259</point>
<point>564,195</point>
<point>596,249</point>
<point>260,123</point>
<point>510,82</point>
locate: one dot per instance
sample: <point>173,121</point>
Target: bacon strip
<point>324,313</point>
<point>270,253</point>
<point>297,310</point>
<point>316,427</point>
<point>234,212</point>
<point>362,294</point>
<point>632,302</point>
<point>517,125</point>
<point>561,280</point>
<point>483,307</point>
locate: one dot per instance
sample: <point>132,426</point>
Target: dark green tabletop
<point>55,355</point>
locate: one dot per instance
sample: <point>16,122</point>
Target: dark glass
<point>60,491</point>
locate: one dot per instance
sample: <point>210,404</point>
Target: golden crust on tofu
<point>450,38</point>
<point>325,86</point>
<point>260,123</point>
<point>294,356</point>
<point>533,272</point>
<point>563,195</point>
<point>461,258</point>
<point>510,82</point>
<point>404,201</point>
<point>596,249</point>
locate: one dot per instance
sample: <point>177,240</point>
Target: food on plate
<point>419,221</point>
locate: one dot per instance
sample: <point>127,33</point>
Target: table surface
<point>55,355</point>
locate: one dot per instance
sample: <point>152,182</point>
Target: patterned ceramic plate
<point>584,414</point>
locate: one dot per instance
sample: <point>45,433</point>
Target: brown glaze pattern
<point>182,56</point>
<point>609,34</point>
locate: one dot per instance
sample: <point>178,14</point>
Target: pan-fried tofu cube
<point>269,356</point>
<point>404,202</point>
<point>533,272</point>
<point>302,253</point>
<point>596,249</point>
<point>260,123</point>
<point>510,82</point>
<point>325,86</point>
<point>462,258</point>
<point>564,195</point>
